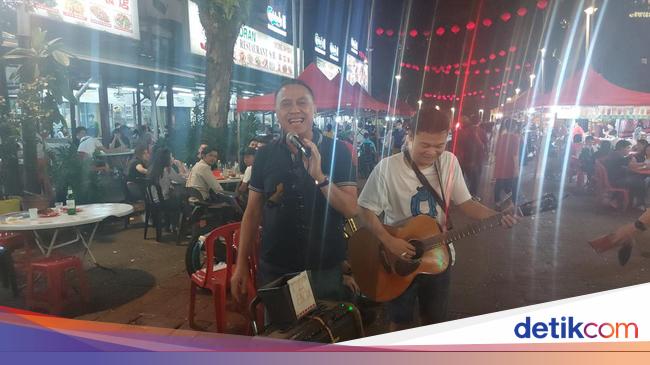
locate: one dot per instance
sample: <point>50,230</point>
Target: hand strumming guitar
<point>399,247</point>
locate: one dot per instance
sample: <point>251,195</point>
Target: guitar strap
<point>423,180</point>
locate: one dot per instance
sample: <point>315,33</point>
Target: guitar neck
<point>471,230</point>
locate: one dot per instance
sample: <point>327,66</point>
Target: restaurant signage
<point>334,52</point>
<point>277,21</point>
<point>354,46</point>
<point>253,49</point>
<point>356,71</point>
<point>118,17</point>
<point>320,44</point>
<point>328,69</point>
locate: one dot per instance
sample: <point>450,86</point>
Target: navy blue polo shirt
<point>300,230</point>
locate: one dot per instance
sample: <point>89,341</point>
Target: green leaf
<point>62,58</point>
<point>38,38</point>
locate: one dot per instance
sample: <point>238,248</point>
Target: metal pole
<point>295,38</point>
<point>104,112</point>
<point>300,34</point>
<point>369,47</point>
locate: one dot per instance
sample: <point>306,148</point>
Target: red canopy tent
<point>596,90</point>
<point>325,93</point>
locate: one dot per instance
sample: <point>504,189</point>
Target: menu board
<point>253,49</point>
<point>118,17</point>
<point>327,68</point>
<point>357,71</point>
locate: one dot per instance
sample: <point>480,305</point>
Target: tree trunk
<point>30,161</point>
<point>221,35</point>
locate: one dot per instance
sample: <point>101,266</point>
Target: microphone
<point>293,139</point>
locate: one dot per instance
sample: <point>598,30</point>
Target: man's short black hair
<point>249,152</point>
<point>622,144</point>
<point>294,82</point>
<point>209,148</point>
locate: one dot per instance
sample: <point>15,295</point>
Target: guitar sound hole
<point>419,251</point>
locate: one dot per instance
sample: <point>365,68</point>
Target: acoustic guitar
<point>382,276</point>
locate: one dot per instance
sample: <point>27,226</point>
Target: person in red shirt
<point>471,151</point>
<point>506,167</point>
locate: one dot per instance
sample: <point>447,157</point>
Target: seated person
<point>639,150</point>
<point>88,144</point>
<point>617,164</point>
<point>201,177</point>
<point>162,173</point>
<point>137,168</point>
<point>249,159</point>
<point>586,157</point>
<point>603,150</point>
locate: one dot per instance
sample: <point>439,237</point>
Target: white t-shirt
<point>89,145</point>
<point>247,174</point>
<point>394,189</point>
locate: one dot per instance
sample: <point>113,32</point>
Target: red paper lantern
<point>511,82</point>
<point>476,72</point>
<point>440,31</point>
<point>527,65</point>
<point>502,53</point>
<point>482,60</point>
<point>470,26</point>
<point>517,67</point>
<point>426,33</point>
<point>456,65</point>
<point>507,68</point>
<point>427,68</point>
<point>542,4</point>
<point>407,65</point>
<point>473,62</point>
<point>416,67</point>
<point>487,72</point>
<point>455,29</point>
<point>482,96</point>
<point>413,33</point>
<point>497,94</point>
<point>457,72</point>
<point>506,16</point>
<point>492,88</point>
<point>512,49</point>
<point>497,70</point>
<point>492,56</point>
<point>522,11</point>
<point>390,32</point>
<point>487,22</point>
<point>379,31</point>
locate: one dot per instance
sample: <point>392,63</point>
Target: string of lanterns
<point>455,28</point>
<point>498,89</point>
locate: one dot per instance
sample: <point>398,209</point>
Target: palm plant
<point>42,75</point>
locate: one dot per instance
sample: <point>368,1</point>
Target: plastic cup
<point>58,206</point>
<point>33,213</point>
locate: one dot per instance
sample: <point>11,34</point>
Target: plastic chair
<point>154,207</point>
<point>217,279</point>
<point>58,290</point>
<point>604,187</point>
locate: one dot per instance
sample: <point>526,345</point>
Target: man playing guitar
<point>395,189</point>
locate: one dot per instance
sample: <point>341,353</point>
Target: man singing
<point>300,202</point>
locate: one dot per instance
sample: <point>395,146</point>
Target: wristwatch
<point>640,226</point>
<point>323,183</point>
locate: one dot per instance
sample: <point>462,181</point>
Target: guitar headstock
<point>546,203</point>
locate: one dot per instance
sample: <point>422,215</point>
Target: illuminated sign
<point>334,52</point>
<point>118,17</point>
<point>252,49</point>
<point>356,71</point>
<point>320,44</point>
<point>277,21</point>
<point>328,69</point>
<point>354,46</point>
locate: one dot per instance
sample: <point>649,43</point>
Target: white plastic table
<point>89,214</point>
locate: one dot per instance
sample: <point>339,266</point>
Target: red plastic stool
<point>58,292</point>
